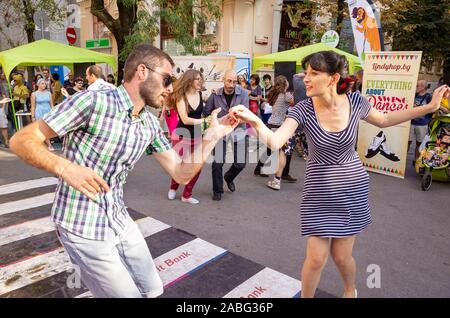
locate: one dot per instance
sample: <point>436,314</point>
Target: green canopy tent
<point>298,54</point>
<point>45,52</point>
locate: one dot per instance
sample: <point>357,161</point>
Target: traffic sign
<point>71,35</point>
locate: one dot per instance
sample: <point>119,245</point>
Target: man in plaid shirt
<point>105,133</point>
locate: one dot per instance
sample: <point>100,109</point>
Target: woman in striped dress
<point>335,205</point>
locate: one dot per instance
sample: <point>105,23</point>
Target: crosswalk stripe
<point>268,283</point>
<point>26,185</point>
<point>173,266</point>
<point>33,269</point>
<point>25,230</point>
<point>13,233</point>
<point>182,261</point>
<point>150,226</point>
<point>24,204</point>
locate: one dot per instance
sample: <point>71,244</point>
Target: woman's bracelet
<point>205,123</point>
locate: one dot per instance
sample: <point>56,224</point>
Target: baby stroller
<point>434,160</point>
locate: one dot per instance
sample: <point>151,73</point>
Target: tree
<point>308,12</point>
<point>420,25</point>
<point>19,13</point>
<point>137,23</point>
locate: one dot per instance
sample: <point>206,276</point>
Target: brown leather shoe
<point>289,179</point>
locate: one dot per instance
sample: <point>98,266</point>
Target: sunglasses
<point>168,79</point>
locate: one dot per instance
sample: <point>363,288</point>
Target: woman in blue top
<point>335,205</point>
<point>41,104</point>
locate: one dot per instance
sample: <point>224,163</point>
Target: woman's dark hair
<point>279,87</point>
<point>37,76</point>
<point>329,62</point>
<point>267,76</point>
<point>256,78</point>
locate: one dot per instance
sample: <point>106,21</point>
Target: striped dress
<point>336,188</point>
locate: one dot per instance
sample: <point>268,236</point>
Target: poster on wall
<point>212,67</point>
<point>389,84</point>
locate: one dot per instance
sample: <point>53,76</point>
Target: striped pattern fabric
<point>33,264</point>
<point>100,134</point>
<point>336,188</point>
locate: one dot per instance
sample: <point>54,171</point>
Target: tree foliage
<point>136,23</point>
<point>19,14</point>
<point>316,17</point>
<point>419,25</point>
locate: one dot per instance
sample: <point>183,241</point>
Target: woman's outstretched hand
<point>241,112</point>
<point>439,93</point>
<point>222,126</point>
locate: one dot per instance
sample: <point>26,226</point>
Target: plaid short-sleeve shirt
<point>100,134</point>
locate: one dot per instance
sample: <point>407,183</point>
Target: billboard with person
<point>366,26</point>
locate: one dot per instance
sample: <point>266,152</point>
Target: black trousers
<point>240,157</point>
<point>264,158</point>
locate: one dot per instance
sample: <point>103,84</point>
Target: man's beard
<point>148,94</point>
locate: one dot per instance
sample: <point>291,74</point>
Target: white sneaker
<point>274,184</point>
<point>171,194</point>
<point>191,200</point>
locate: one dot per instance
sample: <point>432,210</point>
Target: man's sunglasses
<point>168,79</point>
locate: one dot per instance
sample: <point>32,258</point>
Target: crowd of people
<point>269,100</point>
<point>38,96</point>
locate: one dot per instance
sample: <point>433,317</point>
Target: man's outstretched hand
<point>221,127</point>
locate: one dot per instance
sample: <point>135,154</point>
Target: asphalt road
<point>409,239</point>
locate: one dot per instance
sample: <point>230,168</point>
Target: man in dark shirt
<point>299,87</point>
<point>419,126</point>
<point>226,97</point>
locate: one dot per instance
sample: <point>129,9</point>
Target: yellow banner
<point>389,84</point>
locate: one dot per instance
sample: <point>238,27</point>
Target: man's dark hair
<point>144,54</point>
<point>55,76</point>
<point>267,76</point>
<point>96,71</point>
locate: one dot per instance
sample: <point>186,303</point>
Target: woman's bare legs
<point>317,249</point>
<point>341,252</point>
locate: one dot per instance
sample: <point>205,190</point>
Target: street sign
<point>330,38</point>
<point>41,22</point>
<point>98,43</point>
<point>71,35</point>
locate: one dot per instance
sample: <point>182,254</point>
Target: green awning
<point>298,54</point>
<point>45,52</point>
